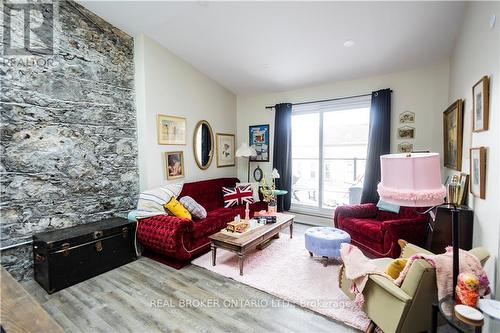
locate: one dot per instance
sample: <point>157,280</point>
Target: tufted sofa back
<point>208,193</point>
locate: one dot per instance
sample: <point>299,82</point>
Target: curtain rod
<point>326,100</point>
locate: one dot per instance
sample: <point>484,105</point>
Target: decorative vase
<point>272,206</point>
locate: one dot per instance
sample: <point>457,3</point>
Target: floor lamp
<point>246,151</point>
<point>414,180</point>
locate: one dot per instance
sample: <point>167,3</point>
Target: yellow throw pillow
<point>395,267</point>
<point>176,208</point>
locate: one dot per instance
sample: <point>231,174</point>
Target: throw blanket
<point>443,263</point>
<point>151,202</point>
<point>357,267</point>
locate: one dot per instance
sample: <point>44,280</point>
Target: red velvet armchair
<point>377,232</point>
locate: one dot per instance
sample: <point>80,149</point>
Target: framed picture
<point>225,150</point>
<point>405,147</point>
<point>174,160</point>
<point>464,184</point>
<point>406,132</point>
<point>481,105</point>
<point>406,117</point>
<point>171,130</point>
<point>453,132</point>
<point>478,172</point>
<point>259,140</point>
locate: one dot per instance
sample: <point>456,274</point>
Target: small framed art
<point>481,105</point>
<point>405,147</point>
<point>171,130</point>
<point>406,132</point>
<point>407,117</point>
<point>174,161</point>
<point>259,140</point>
<point>225,150</point>
<point>478,172</point>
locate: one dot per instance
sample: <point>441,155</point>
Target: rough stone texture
<point>68,133</point>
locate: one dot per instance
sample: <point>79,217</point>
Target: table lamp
<point>246,151</point>
<point>414,180</point>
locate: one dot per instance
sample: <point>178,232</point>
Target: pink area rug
<point>285,269</point>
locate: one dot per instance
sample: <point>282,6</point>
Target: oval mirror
<point>203,144</point>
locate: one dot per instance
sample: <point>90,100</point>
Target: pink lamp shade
<point>412,180</point>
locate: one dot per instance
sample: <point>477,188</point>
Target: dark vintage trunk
<point>68,256</point>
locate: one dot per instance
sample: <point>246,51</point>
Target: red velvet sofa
<point>376,232</point>
<point>180,240</point>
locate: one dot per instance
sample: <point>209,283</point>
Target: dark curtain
<point>379,142</point>
<point>282,152</point>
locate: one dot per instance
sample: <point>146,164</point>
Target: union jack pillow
<point>236,196</point>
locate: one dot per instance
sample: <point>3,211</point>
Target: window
<point>329,146</point>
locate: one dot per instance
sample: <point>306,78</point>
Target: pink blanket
<point>357,267</point>
<point>443,263</point>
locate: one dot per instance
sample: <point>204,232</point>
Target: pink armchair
<point>377,232</point>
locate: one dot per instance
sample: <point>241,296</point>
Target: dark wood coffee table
<point>252,239</point>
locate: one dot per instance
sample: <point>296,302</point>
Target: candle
<point>247,212</point>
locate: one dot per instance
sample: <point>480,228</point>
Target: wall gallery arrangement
<point>171,130</point>
<point>259,140</point>
<point>453,135</point>
<point>406,132</point>
<point>225,150</point>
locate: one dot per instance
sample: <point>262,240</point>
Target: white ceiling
<point>253,47</point>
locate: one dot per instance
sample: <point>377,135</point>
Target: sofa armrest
<point>163,233</point>
<point>480,253</point>
<point>390,287</point>
<point>359,211</point>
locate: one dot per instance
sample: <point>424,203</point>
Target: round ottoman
<point>325,241</point>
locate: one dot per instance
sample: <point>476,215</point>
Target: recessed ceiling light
<point>349,43</point>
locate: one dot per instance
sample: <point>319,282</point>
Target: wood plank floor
<point>146,296</point>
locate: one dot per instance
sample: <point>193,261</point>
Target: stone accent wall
<point>68,133</point>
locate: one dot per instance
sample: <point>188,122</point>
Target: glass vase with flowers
<point>268,190</point>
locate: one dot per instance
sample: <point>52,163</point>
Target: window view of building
<point>329,146</point>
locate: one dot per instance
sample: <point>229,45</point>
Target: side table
<point>446,308</point>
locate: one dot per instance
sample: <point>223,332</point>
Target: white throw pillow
<point>152,201</point>
<point>255,190</point>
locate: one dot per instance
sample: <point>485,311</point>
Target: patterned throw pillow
<point>194,208</point>
<point>239,195</point>
<point>151,202</point>
<point>255,189</point>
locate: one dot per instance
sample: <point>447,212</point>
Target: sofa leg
<point>371,327</point>
<point>310,253</point>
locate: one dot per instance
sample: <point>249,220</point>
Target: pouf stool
<point>325,241</point>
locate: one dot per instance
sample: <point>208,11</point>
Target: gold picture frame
<point>453,135</point>
<point>481,105</point>
<point>226,150</point>
<point>174,164</point>
<point>171,130</point>
<point>478,172</point>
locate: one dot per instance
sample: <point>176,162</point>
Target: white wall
<point>477,53</point>
<point>423,91</point>
<point>166,84</point>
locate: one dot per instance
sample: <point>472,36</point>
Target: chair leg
<point>371,327</point>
